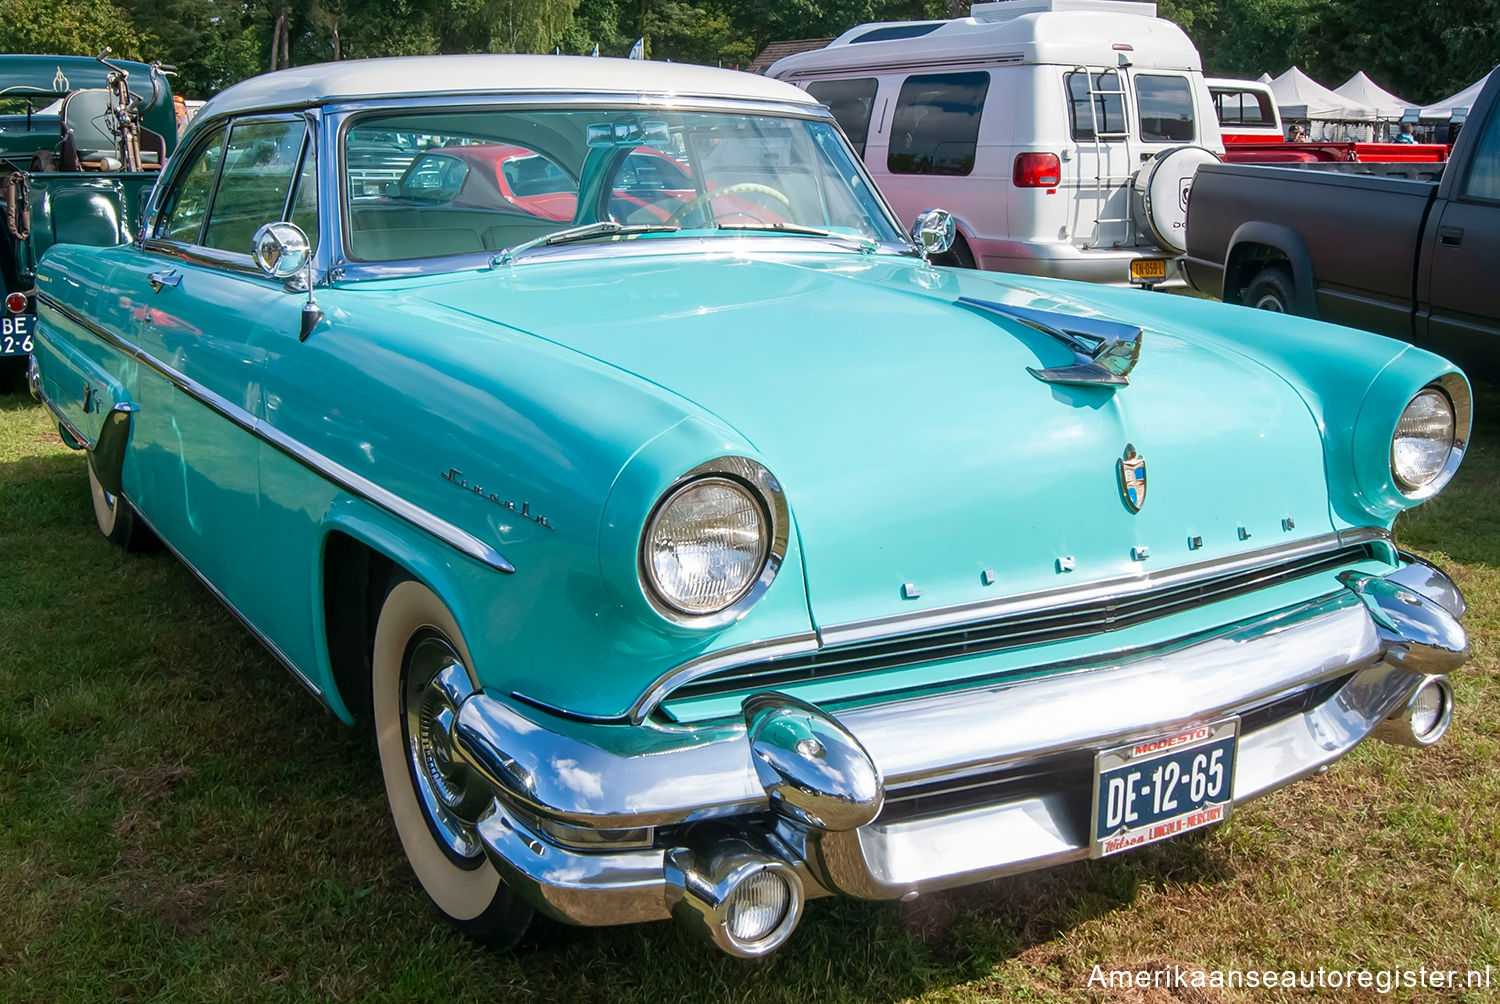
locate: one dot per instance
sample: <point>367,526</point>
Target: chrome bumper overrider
<point>589,819</point>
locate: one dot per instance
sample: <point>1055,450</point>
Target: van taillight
<point>15,302</point>
<point>1037,170</point>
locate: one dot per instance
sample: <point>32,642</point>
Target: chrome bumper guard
<point>804,790</point>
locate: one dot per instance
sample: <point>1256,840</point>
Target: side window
<point>1166,107</point>
<point>182,216</point>
<point>1242,108</point>
<point>851,102</point>
<point>935,128</point>
<point>1103,93</point>
<point>1483,181</point>
<point>260,163</point>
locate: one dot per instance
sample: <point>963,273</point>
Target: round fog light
<point>757,906</point>
<point>1428,711</point>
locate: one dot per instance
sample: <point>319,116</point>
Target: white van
<point>1062,134</point>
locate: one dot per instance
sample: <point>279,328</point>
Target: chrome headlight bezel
<point>1456,390</point>
<point>763,488</point>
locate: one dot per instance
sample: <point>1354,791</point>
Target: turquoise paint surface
<point>911,442</point>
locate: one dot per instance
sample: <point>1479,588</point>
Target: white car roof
<point>408,76</point>
<point>1059,32</point>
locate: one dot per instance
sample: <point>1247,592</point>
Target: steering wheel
<point>743,186</point>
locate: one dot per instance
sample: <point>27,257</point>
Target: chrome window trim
<point>880,628</point>
<point>356,484</point>
<point>341,116</point>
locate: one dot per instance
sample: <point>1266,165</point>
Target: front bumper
<point>591,821</point>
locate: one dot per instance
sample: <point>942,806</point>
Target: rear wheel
<point>420,675</point>
<point>957,256</point>
<point>1271,289</point>
<point>117,518</point>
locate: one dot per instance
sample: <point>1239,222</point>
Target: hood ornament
<point>1132,468</point>
<point>1104,352</point>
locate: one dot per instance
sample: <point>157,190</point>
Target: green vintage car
<point>697,547</point>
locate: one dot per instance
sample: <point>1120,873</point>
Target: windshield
<point>457,182</point>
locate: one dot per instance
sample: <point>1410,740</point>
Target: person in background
<point>1298,134</point>
<point>1405,136</point>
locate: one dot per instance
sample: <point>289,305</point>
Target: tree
<point>76,28</point>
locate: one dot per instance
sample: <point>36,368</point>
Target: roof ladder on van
<point>1103,182</point>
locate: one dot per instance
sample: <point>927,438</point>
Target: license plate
<point>15,334</point>
<point>1148,270</point>
<point>1157,788</point>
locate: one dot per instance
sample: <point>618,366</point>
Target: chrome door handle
<point>170,277</point>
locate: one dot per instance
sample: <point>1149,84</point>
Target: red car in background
<point>502,175</point>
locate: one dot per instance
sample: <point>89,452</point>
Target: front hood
<point>917,453</point>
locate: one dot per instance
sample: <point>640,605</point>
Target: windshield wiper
<point>604,228</point>
<point>865,242</point>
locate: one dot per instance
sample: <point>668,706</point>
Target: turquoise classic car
<point>710,551</point>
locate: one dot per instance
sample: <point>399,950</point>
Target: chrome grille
<point>998,634</point>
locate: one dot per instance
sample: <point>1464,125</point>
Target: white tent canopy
<point>1301,97</point>
<point>1463,99</point>
<point>1264,78</point>
<point>1364,92</point>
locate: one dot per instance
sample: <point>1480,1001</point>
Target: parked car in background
<point>1062,134</point>
<point>1250,123</point>
<point>697,567</point>
<point>1403,256</point>
<point>63,169</point>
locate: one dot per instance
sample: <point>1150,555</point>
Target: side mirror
<point>934,231</point>
<point>392,189</point>
<point>281,250</point>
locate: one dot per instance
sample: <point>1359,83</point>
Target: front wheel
<point>420,675</point>
<point>957,256</point>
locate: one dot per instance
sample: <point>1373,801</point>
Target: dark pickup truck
<point>1413,257</point>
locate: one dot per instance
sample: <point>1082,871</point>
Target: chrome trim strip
<point>341,476</point>
<point>927,620</point>
<point>245,621</point>
<point>874,630</point>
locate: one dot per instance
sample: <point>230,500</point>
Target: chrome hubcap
<point>436,683</point>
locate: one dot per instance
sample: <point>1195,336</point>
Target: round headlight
<point>1423,440</point>
<point>706,546</point>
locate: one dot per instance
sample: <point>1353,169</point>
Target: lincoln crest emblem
<point>1133,478</point>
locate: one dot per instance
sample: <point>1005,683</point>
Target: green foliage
<point>75,28</point>
<point>1420,51</point>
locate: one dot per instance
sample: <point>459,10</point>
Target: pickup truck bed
<point>1406,250</point>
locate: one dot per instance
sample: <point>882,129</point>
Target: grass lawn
<point>180,821</point>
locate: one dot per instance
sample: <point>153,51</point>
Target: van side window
<point>1166,105</point>
<point>1109,106</point>
<point>935,128</point>
<point>851,102</point>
